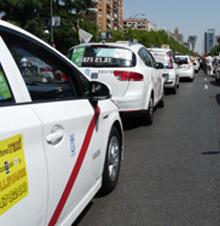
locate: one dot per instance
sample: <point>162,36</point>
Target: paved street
<point>171,172</point>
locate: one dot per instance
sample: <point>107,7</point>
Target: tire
<point>149,114</point>
<point>112,163</point>
<point>174,89</point>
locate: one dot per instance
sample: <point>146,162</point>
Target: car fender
<point>110,118</point>
<point>149,91</point>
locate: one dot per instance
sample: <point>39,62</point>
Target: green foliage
<point>34,15</point>
<point>150,38</point>
<point>91,28</point>
<point>215,50</point>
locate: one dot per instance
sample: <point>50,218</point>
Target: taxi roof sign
<point>165,46</point>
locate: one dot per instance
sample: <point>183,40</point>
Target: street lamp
<point>51,16</point>
<point>142,14</point>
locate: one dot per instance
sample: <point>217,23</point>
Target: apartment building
<point>136,23</point>
<point>108,15</point>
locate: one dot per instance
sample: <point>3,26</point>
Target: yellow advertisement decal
<point>13,174</point>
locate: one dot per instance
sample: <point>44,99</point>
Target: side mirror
<point>159,65</point>
<point>98,91</point>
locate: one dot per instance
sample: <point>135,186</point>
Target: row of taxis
<point>138,76</point>
<point>61,135</point>
<point>61,139</point>
<point>129,69</point>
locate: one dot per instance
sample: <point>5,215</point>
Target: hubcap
<point>113,158</point>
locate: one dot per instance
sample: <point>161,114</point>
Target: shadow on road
<point>214,83</point>
<point>131,123</point>
<point>211,153</point>
<point>82,215</point>
<point>217,97</point>
<point>185,80</point>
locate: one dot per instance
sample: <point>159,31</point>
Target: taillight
<point>170,63</point>
<point>128,76</point>
<point>189,65</point>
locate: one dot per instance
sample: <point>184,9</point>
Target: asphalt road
<point>171,172</point>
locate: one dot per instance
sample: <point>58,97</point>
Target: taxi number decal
<point>13,174</point>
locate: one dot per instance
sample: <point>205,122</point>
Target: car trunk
<point>100,62</point>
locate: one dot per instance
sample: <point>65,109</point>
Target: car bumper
<point>170,78</point>
<point>131,102</point>
<point>186,74</point>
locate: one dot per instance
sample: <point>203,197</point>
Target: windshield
<point>99,56</point>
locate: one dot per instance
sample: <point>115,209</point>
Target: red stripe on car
<point>76,169</point>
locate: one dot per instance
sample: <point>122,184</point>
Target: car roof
<point>159,49</point>
<point>186,56</point>
<point>20,30</point>
<point>15,28</point>
<point>128,45</point>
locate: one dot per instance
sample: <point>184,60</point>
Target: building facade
<point>136,23</point>
<point>191,42</point>
<point>209,40</point>
<point>139,24</point>
<point>108,15</point>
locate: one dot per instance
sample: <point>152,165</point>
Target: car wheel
<point>174,90</point>
<point>178,84</point>
<point>149,115</point>
<point>112,163</point>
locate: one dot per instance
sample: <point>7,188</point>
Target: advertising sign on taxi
<point>13,174</point>
<point>4,90</point>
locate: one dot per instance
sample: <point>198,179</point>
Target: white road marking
<point>206,87</point>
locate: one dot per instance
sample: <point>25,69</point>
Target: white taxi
<point>61,140</point>
<point>186,68</point>
<point>129,69</point>
<point>169,72</point>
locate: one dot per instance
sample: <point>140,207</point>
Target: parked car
<point>129,69</point>
<point>169,72</point>
<point>186,69</point>
<point>196,64</point>
<point>61,140</point>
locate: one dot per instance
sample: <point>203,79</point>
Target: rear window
<point>102,56</point>
<point>160,56</point>
<point>181,60</point>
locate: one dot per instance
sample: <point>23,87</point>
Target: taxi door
<point>70,132</point>
<point>155,75</point>
<point>23,171</point>
<point>157,80</point>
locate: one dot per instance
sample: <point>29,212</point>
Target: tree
<point>35,16</point>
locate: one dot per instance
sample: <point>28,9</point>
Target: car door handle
<point>55,137</point>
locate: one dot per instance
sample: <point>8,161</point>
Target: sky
<point>192,17</point>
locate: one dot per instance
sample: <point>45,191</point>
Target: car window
<point>102,56</point>
<point>146,57</point>
<point>5,92</point>
<point>172,56</point>
<point>160,56</point>
<point>46,76</point>
<point>182,60</point>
